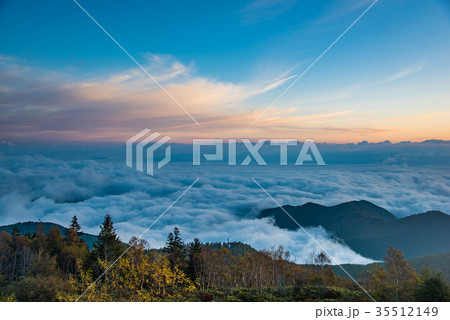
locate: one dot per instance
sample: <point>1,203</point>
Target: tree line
<point>61,267</point>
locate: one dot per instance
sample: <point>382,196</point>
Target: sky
<point>62,79</point>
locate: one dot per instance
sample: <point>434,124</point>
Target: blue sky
<point>387,78</point>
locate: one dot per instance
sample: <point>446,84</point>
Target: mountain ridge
<point>31,227</point>
<point>369,229</point>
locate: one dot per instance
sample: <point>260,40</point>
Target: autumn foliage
<point>60,267</point>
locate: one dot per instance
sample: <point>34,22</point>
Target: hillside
<point>438,263</point>
<point>236,248</point>
<point>369,229</point>
<point>30,227</point>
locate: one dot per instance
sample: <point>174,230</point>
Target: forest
<point>61,267</point>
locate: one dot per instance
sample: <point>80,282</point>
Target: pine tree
<point>74,225</point>
<point>175,249</point>
<point>108,246</point>
<point>76,251</point>
<point>195,262</point>
<point>72,234</point>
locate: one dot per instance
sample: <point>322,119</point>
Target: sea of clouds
<point>55,183</point>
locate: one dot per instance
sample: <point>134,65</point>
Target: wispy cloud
<point>418,117</point>
<point>49,105</point>
<point>341,8</point>
<point>39,104</point>
<point>276,120</point>
<point>263,10</point>
<point>45,102</point>
<point>404,73</point>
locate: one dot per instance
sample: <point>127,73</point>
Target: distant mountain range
<point>358,214</point>
<point>365,227</point>
<point>31,227</point>
<point>236,248</point>
<point>369,229</point>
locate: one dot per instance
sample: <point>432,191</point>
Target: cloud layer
<point>222,205</point>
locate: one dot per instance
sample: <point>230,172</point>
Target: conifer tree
<point>72,234</point>
<point>76,250</point>
<point>74,225</point>
<point>175,249</point>
<point>195,259</point>
<point>108,246</point>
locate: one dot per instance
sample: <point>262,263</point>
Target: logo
<point>253,151</point>
<point>146,145</point>
<point>143,140</point>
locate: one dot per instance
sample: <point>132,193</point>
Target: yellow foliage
<point>137,276</point>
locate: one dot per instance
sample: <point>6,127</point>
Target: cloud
<point>276,121</point>
<point>41,105</point>
<point>418,117</point>
<point>264,10</point>
<point>50,106</point>
<point>224,204</point>
<point>335,10</point>
<point>403,73</point>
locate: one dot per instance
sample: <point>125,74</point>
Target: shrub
<point>206,297</point>
<point>331,294</point>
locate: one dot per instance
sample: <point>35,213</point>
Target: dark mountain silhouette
<point>369,229</point>
<point>30,227</point>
